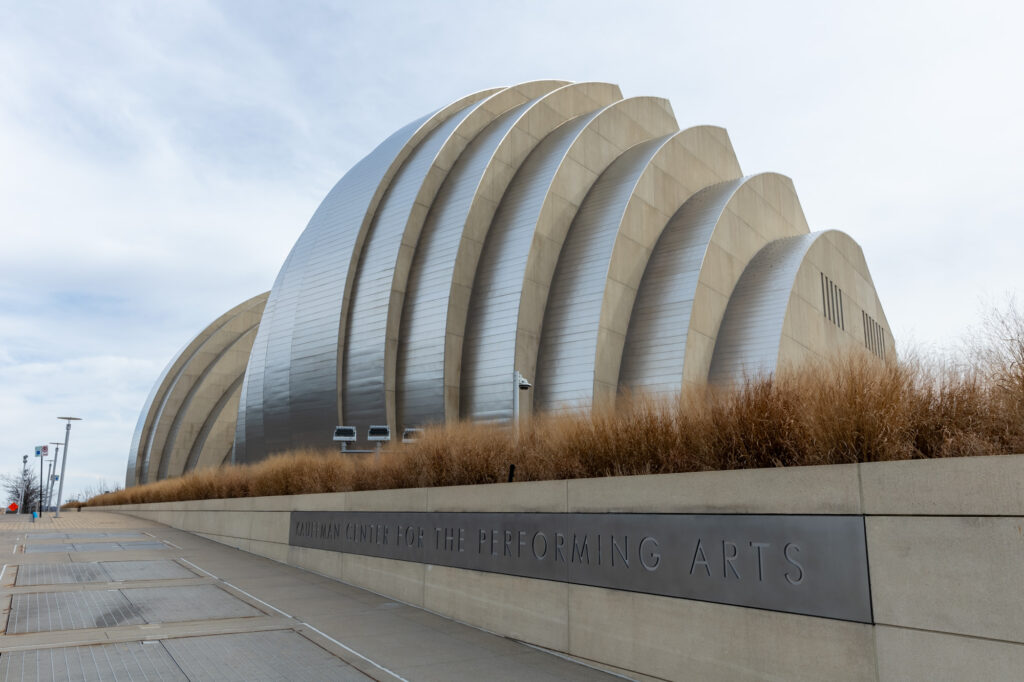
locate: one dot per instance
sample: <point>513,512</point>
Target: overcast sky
<point>158,160</point>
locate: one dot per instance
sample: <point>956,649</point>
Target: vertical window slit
<point>824,307</point>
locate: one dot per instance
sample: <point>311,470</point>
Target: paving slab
<point>36,549</point>
<point>200,602</point>
<point>83,536</point>
<point>47,611</point>
<point>93,547</point>
<point>30,575</point>
<point>57,574</point>
<point>116,546</point>
<point>124,661</point>
<point>275,655</point>
<point>146,570</point>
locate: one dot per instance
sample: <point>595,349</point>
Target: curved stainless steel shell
<point>290,392</point>
<point>441,279</point>
<point>748,343</point>
<point>691,275</point>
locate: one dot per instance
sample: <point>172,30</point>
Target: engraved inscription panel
<point>811,565</point>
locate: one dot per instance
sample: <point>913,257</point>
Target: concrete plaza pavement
<point>104,596</point>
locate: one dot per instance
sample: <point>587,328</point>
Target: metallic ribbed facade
<point>553,228</point>
<point>568,344</point>
<point>489,348</point>
<point>748,342</point>
<point>692,272</point>
<point>298,342</point>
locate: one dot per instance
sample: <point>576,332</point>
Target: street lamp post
<point>49,479</point>
<point>42,458</point>
<point>24,476</point>
<point>64,462</point>
<point>56,454</point>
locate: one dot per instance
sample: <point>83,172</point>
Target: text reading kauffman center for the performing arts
<point>813,565</point>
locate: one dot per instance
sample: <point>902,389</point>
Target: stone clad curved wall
<point>797,298</point>
<point>553,228</point>
<point>199,389</point>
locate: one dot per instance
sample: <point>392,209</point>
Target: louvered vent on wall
<point>874,335</point>
<point>832,302</point>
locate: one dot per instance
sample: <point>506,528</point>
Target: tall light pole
<point>41,451</point>
<point>53,470</point>
<point>64,462</point>
<point>49,480</point>
<point>24,476</point>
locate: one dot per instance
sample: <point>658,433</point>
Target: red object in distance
<point>13,507</point>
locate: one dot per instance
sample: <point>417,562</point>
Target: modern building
<point>551,228</point>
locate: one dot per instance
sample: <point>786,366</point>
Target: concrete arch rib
<point>602,261</point>
<point>390,244</point>
<point>525,237</point>
<point>216,432</point>
<point>778,314</point>
<point>204,397</point>
<point>145,421</point>
<point>429,338</point>
<point>138,463</point>
<point>691,274</point>
<point>144,424</point>
<point>748,343</point>
<point>181,377</point>
<point>290,391</point>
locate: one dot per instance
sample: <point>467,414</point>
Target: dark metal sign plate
<point>811,565</point>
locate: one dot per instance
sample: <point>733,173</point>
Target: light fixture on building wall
<point>519,383</point>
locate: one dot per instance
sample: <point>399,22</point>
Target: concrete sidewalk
<point>103,596</point>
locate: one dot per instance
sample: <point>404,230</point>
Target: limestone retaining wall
<point>945,545</point>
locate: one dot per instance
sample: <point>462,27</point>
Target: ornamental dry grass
<point>854,409</point>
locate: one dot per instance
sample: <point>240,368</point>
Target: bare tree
<point>999,350</point>
<point>14,485</point>
<point>98,488</point>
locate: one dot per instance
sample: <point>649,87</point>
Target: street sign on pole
<point>13,506</point>
<point>42,450</point>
